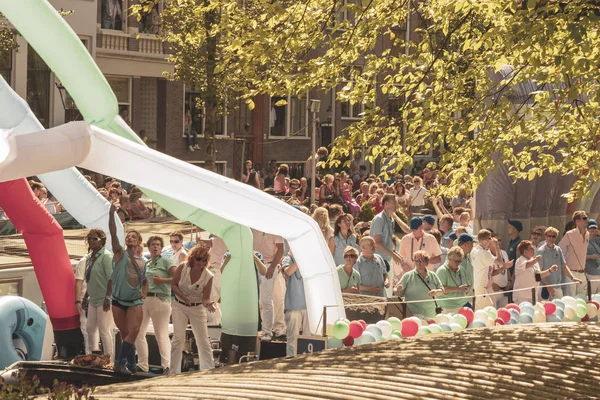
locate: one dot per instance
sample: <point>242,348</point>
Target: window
<point>11,287</point>
<point>349,110</point>
<point>122,90</point>
<point>38,87</point>
<point>343,14</point>
<point>290,119</point>
<point>244,121</point>
<point>194,116</point>
<point>150,23</point>
<point>113,16</point>
<point>5,65</point>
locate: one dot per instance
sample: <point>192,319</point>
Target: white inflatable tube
<point>98,150</point>
<point>69,187</point>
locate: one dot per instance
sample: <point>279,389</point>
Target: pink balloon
<point>504,315</point>
<point>363,323</point>
<point>348,341</point>
<point>514,307</point>
<point>356,329</point>
<point>431,321</point>
<point>595,303</point>
<point>409,328</point>
<point>467,313</point>
<point>549,307</point>
<point>499,321</point>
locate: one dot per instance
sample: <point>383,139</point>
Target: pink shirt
<point>574,246</point>
<point>266,244</point>
<point>409,245</point>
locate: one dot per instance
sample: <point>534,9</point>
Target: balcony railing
<point>119,42</point>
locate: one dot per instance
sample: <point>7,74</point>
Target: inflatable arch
<point>29,323</point>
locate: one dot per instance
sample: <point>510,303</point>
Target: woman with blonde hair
<point>192,285</point>
<point>321,215</point>
<point>327,193</point>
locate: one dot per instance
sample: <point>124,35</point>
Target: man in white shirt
<point>271,295</point>
<point>416,196</point>
<point>482,259</point>
<point>574,247</point>
<point>500,278</point>
<point>415,241</point>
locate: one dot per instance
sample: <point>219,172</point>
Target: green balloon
<point>423,331</point>
<point>580,311</point>
<point>460,320</point>
<point>394,336</point>
<point>396,323</point>
<point>341,329</point>
<point>397,332</point>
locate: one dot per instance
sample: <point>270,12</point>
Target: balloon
<point>430,321</point>
<point>456,327</point>
<point>580,302</point>
<point>559,304</point>
<point>539,307</point>
<point>341,329</point>
<point>460,320</point>
<point>480,315</point>
<point>592,311</point>
<point>553,318</point>
<point>513,321</point>
<point>569,313</point>
<point>559,313</point>
<point>363,323</point>
<point>394,336</point>
<point>355,329</point>
<point>375,330</point>
<point>419,321</point>
<point>550,308</point>
<point>397,333</point>
<point>525,303</point>
<point>366,337</point>
<point>514,313</point>
<point>386,328</point>
<point>435,328</point>
<point>334,343</point>
<point>409,327</point>
<point>504,315</point>
<point>585,319</point>
<point>445,327</point>
<point>348,341</point>
<point>525,318</point>
<point>513,306</point>
<point>596,297</point>
<point>538,317</point>
<point>580,311</point>
<point>396,323</point>
<point>529,310</point>
<point>569,301</point>
<point>491,312</point>
<point>594,302</point>
<point>500,321</point>
<point>467,313</point>
<point>478,324</point>
<point>424,330</point>
<point>442,318</point>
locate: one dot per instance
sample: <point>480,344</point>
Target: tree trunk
<point>210,98</point>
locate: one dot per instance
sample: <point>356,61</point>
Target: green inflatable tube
<point>54,40</point>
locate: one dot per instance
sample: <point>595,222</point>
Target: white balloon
<point>569,301</point>
<point>386,328</point>
<point>592,311</point>
<point>481,315</point>
<point>441,318</point>
<point>539,307</point>
<point>538,317</point>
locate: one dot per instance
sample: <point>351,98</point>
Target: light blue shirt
<point>294,294</point>
<point>591,266</point>
<point>371,273</point>
<point>341,244</point>
<point>551,256</point>
<point>384,226</point>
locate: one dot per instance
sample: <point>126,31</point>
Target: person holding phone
<point>528,272</point>
<point>455,282</point>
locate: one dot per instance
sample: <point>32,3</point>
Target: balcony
<point>117,42</point>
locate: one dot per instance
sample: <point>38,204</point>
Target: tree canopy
<point>485,82</point>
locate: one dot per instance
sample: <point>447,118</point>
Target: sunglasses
<point>583,218</point>
<point>551,236</point>
<point>200,259</point>
<point>421,260</point>
<point>350,256</point>
<point>536,233</point>
<point>175,241</point>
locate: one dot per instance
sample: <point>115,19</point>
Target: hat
<point>466,238</point>
<point>592,223</point>
<point>415,223</point>
<point>450,236</point>
<point>516,224</point>
<point>429,219</point>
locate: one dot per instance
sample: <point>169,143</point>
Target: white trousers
<point>83,327</point>
<point>159,312</point>
<point>100,323</point>
<point>500,300</point>
<point>482,302</point>
<point>576,288</point>
<point>595,285</point>
<point>197,318</point>
<point>215,295</point>
<point>297,321</point>
<point>272,294</point>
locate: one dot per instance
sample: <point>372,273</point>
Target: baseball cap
<point>516,224</point>
<point>429,219</point>
<point>415,223</point>
<point>592,223</point>
<point>466,238</point>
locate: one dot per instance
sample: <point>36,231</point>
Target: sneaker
<point>266,337</point>
<point>282,337</point>
<point>166,371</point>
<point>190,148</point>
<point>122,369</point>
<point>134,369</point>
<point>196,147</point>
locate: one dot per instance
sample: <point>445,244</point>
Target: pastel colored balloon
<point>491,312</point>
<point>435,328</point>
<point>334,343</point>
<point>596,298</point>
<point>569,301</point>
<point>356,329</point>
<point>394,336</point>
<point>419,321</point>
<point>397,333</point>
<point>553,318</point>
<point>569,313</point>
<point>559,313</point>
<point>500,321</point>
<point>538,317</point>
<point>525,318</point>
<point>366,337</point>
<point>460,320</point>
<point>592,311</point>
<point>513,306</point>
<point>559,304</point>
<point>550,308</point>
<point>386,328</point>
<point>396,323</point>
<point>424,330</point>
<point>456,327</point>
<point>514,314</point>
<point>580,311</point>
<point>594,302</point>
<point>525,303</point>
<point>430,321</point>
<point>341,329</point>
<point>489,323</point>
<point>375,330</point>
<point>348,341</point>
<point>529,310</point>
<point>445,327</point>
<point>441,318</point>
<point>409,327</point>
<point>580,302</point>
<point>480,315</point>
<point>539,307</point>
<point>467,313</point>
<point>477,323</point>
<point>504,315</point>
<point>513,321</point>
